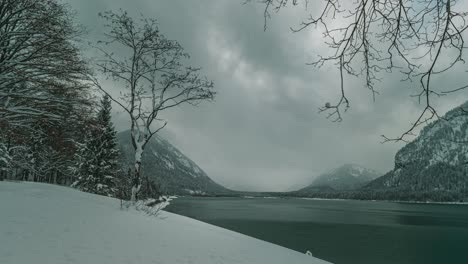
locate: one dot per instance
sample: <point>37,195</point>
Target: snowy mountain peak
<point>356,170</point>
<point>346,177</point>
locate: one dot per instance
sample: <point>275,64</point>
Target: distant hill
<point>436,161</point>
<point>346,177</point>
<point>170,168</point>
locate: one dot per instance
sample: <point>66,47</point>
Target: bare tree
<point>41,81</point>
<point>419,38</point>
<point>41,71</point>
<point>150,69</point>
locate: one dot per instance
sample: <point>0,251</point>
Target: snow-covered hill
<point>169,167</point>
<point>49,224</point>
<point>346,177</point>
<point>435,161</point>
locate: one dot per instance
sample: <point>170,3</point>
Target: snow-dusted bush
<point>149,206</point>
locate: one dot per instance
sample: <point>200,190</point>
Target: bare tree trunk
<point>149,190</point>
<point>136,183</point>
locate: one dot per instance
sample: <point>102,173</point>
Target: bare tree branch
<point>368,37</point>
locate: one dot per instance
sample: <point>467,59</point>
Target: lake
<point>343,231</point>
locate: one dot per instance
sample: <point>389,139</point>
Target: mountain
<point>169,168</point>
<point>436,161</point>
<point>346,177</point>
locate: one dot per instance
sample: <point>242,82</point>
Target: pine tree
<point>97,165</point>
<point>109,158</point>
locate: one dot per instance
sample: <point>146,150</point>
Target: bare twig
<point>376,36</point>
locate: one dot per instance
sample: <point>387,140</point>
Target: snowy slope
<point>47,224</point>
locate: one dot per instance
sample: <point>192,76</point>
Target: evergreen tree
<point>97,165</point>
<point>109,154</point>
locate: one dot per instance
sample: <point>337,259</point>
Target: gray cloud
<point>263,131</point>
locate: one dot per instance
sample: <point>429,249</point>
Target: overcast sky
<point>264,132</point>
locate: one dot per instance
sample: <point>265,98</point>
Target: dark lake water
<point>343,231</point>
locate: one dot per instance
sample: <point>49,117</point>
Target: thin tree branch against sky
<point>421,39</point>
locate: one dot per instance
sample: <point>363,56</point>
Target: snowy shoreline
<point>44,223</point>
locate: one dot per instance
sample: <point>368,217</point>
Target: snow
<point>48,224</point>
<point>196,169</point>
<point>195,192</point>
<point>138,153</point>
<point>169,164</point>
<point>358,168</point>
<point>184,162</point>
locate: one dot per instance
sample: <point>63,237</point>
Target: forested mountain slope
<point>437,160</point>
<point>169,168</point>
